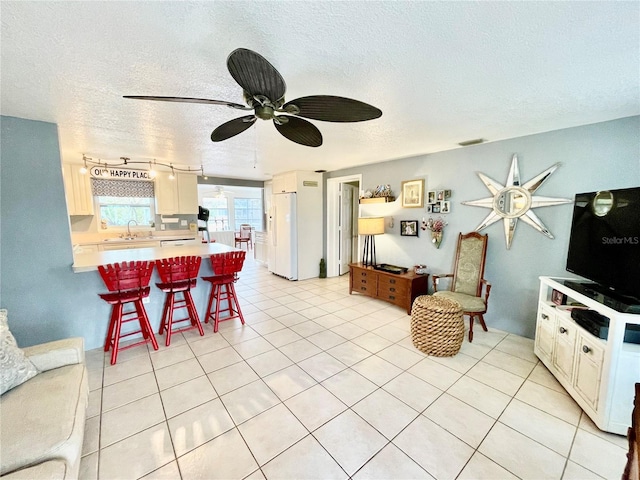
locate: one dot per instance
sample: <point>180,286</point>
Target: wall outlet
<point>163,226</point>
<point>183,223</point>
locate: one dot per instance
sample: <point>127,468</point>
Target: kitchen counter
<point>89,261</point>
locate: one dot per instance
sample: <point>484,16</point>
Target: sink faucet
<point>129,227</point>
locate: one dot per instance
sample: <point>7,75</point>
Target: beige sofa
<point>42,420</point>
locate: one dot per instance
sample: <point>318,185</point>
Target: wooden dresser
<point>400,289</point>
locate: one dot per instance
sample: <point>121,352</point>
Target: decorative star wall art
<point>513,201</point>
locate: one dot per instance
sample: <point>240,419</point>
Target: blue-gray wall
<point>593,157</point>
<point>46,301</point>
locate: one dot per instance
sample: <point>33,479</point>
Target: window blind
<point>122,188</point>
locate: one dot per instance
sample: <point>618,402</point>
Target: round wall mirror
<point>602,203</point>
<point>512,202</point>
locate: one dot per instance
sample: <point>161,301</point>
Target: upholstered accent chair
<point>468,287</point>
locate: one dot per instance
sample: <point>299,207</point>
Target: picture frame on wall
<point>431,197</point>
<point>413,193</point>
<point>447,194</point>
<point>435,208</point>
<point>439,195</point>
<point>445,207</point>
<point>409,228</point>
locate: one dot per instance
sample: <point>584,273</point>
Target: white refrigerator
<point>283,248</point>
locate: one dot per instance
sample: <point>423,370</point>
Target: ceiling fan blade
<point>332,109</point>
<point>232,128</point>
<point>255,74</point>
<point>299,131</point>
<point>188,100</point>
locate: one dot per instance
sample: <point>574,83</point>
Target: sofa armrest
<point>59,353</point>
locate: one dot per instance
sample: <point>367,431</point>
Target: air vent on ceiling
<point>475,141</point>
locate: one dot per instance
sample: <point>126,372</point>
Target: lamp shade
<point>370,225</point>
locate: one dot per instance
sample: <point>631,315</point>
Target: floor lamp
<point>369,227</point>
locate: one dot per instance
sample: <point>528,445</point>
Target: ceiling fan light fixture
<point>264,90</point>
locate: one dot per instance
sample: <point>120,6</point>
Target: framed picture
<point>447,194</point>
<point>439,195</point>
<point>445,206</point>
<point>413,193</point>
<point>435,208</point>
<point>409,228</point>
<point>431,197</point>
<point>558,298</point>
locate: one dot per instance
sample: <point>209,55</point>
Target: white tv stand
<point>599,374</point>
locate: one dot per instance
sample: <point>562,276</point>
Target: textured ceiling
<point>441,72</point>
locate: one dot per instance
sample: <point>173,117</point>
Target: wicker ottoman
<point>436,326</point>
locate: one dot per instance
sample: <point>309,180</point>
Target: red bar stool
<point>178,274</point>
<point>225,268</point>
<point>127,283</point>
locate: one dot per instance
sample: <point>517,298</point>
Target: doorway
<point>342,217</point>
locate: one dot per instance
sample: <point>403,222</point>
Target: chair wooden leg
<point>484,325</point>
<point>116,333</point>
<point>235,299</point>
<point>470,328</point>
<point>193,313</point>
<point>112,323</point>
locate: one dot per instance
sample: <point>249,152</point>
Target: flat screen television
<point>604,246</point>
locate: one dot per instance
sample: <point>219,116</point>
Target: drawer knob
<point>391,297</point>
<point>563,330</point>
<point>392,281</point>
<point>585,349</point>
<point>545,316</point>
<point>392,289</point>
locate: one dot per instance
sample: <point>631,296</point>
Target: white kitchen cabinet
<point>285,182</point>
<point>177,196</point>
<point>599,374</point>
<point>77,188</point>
<point>187,193</point>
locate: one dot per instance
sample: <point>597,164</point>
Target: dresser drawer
<point>393,286</point>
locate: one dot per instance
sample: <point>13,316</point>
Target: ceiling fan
<point>264,90</point>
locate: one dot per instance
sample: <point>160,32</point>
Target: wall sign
<point>120,173</point>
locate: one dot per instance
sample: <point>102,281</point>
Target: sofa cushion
<point>50,355</point>
<point>43,419</point>
<point>15,367</point>
<point>51,470</point>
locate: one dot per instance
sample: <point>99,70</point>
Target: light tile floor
<point>323,384</point>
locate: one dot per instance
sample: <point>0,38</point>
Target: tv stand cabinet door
<point>590,357</point>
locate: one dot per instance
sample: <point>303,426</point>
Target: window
<point>218,213</point>
<point>120,201</point>
<point>119,211</point>
<point>248,210</point>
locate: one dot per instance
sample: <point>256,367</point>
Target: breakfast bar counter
<point>89,261</point>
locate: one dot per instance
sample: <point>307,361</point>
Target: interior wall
<point>593,157</point>
<point>45,299</point>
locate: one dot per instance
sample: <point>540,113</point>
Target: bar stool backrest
<point>229,263</point>
<point>120,277</point>
<point>178,268</point>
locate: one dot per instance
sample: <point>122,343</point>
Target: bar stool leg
<point>193,313</point>
<point>216,320</point>
<point>116,333</point>
<point>235,299</point>
<point>112,322</point>
<point>212,295</point>
<point>145,326</point>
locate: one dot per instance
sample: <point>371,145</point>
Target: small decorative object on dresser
<point>558,298</point>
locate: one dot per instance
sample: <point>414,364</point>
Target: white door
<point>333,214</point>
<point>345,227</point>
